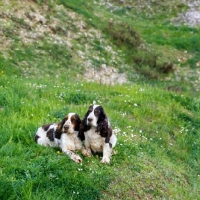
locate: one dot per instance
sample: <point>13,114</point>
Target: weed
<point>123,34</point>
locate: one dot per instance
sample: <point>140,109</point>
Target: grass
<point>157,146</point>
<point>42,79</point>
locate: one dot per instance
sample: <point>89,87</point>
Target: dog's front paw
<point>105,160</point>
<point>86,152</point>
<point>77,159</point>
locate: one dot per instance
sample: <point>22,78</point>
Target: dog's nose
<point>66,127</point>
<point>90,119</point>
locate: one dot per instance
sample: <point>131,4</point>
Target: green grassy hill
<point>51,51</point>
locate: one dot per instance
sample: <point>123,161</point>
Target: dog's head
<point>97,118</point>
<point>69,124</point>
<point>95,115</point>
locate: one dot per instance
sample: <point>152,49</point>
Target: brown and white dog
<point>64,135</point>
<point>98,133</point>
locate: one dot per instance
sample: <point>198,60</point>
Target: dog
<point>96,128</point>
<point>64,135</point>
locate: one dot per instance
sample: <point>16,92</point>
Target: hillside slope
<point>58,56</point>
<point>151,47</point>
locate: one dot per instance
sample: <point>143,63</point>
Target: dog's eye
<point>73,119</point>
<point>96,112</point>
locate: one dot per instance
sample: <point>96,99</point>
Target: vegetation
<point>46,47</point>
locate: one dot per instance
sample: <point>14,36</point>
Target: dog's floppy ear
<point>77,123</point>
<point>102,116</point>
<point>104,129</point>
<point>84,121</point>
<point>102,124</point>
<point>83,127</point>
<point>60,124</point>
<point>59,129</point>
<point>81,135</point>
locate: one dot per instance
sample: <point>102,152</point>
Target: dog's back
<point>45,135</point>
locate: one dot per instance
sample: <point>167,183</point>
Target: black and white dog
<point>98,133</point>
<point>64,135</point>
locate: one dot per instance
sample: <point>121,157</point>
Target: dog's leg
<point>86,151</point>
<point>107,150</point>
<point>76,158</point>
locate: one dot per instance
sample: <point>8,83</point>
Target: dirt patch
<point>105,75</point>
<point>192,16</point>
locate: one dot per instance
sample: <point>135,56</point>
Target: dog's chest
<point>95,140</point>
<point>71,142</point>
